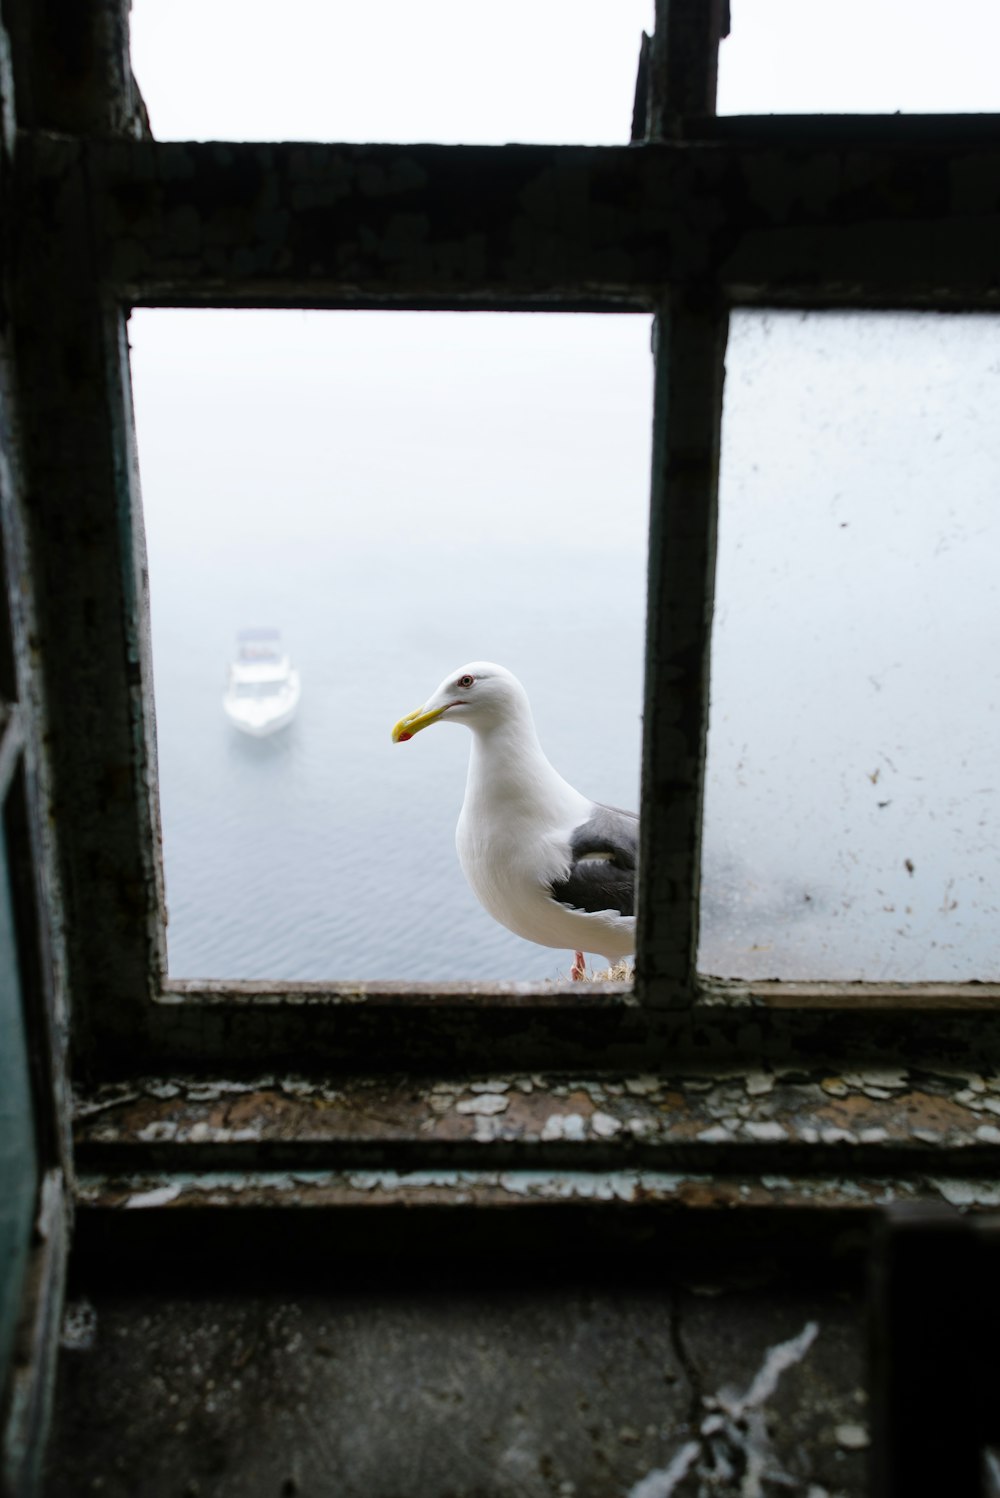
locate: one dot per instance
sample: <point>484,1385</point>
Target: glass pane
<point>860,57</point>
<point>397,494</point>
<point>437,70</point>
<point>851,826</point>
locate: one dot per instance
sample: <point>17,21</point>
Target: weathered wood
<point>424,1029</point>
<point>862,995</point>
<point>166,1197</point>
<point>684,63</point>
<point>876,1119</point>
<point>887,212</point>
<point>690,349</point>
<point>80,520</point>
<point>72,69</point>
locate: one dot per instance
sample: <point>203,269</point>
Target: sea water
<point>326,850</point>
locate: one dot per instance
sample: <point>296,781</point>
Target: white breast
<point>514,835</point>
<point>511,854</point>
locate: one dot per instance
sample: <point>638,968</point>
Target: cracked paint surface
<point>856,1115</point>
<point>486,1188</point>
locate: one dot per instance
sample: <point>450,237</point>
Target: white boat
<point>264,688</point>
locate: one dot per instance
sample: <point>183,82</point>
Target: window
<point>558,228</point>
<point>850,825</point>
<point>390,72</point>
<point>799,1100</point>
<point>697,217</point>
<point>848,57</point>
<point>400,492</point>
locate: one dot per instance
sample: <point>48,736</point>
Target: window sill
<point>709,1165</point>
<point>423,1029</point>
<point>876,1122</point>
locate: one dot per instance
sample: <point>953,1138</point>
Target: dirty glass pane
<point>437,70</point>
<point>860,57</point>
<point>851,821</point>
<point>397,494</point>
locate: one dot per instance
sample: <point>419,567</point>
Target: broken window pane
<point>860,57</point>
<point>440,70</point>
<point>396,494</point>
<point>851,826</point>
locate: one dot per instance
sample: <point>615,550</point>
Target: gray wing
<point>603,855</point>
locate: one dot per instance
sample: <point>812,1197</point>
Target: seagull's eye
<point>466,681</point>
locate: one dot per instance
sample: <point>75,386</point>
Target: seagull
<point>544,860</point>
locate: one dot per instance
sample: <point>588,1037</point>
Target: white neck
<point>508,766</point>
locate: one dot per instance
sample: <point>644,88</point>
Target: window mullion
<point>683,63</point>
<point>690,350</point>
<point>71,67</point>
<point>83,548</point>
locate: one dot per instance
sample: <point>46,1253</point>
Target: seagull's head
<point>480,694</point>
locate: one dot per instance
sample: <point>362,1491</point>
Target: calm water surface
<point>328,851</point>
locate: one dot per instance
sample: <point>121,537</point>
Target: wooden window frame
<point>697,215</point>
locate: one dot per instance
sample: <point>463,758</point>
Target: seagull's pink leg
<point>579,969</point>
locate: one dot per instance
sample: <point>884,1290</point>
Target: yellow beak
<point>413,723</point>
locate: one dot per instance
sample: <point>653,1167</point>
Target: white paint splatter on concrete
<point>661,1482</point>
<point>733,1451</point>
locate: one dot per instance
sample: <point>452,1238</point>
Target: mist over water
<point>443,489</point>
<point>402,493</point>
<point>327,851</point>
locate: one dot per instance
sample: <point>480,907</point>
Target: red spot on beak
<point>404,736</point>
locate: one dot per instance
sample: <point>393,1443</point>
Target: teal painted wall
<point>18,1149</point>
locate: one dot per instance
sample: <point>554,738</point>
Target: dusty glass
<point>860,57</point>
<point>851,823</point>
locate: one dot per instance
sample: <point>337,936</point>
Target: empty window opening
<point>851,806</point>
<point>860,57</point>
<point>396,494</point>
<point>440,71</point>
